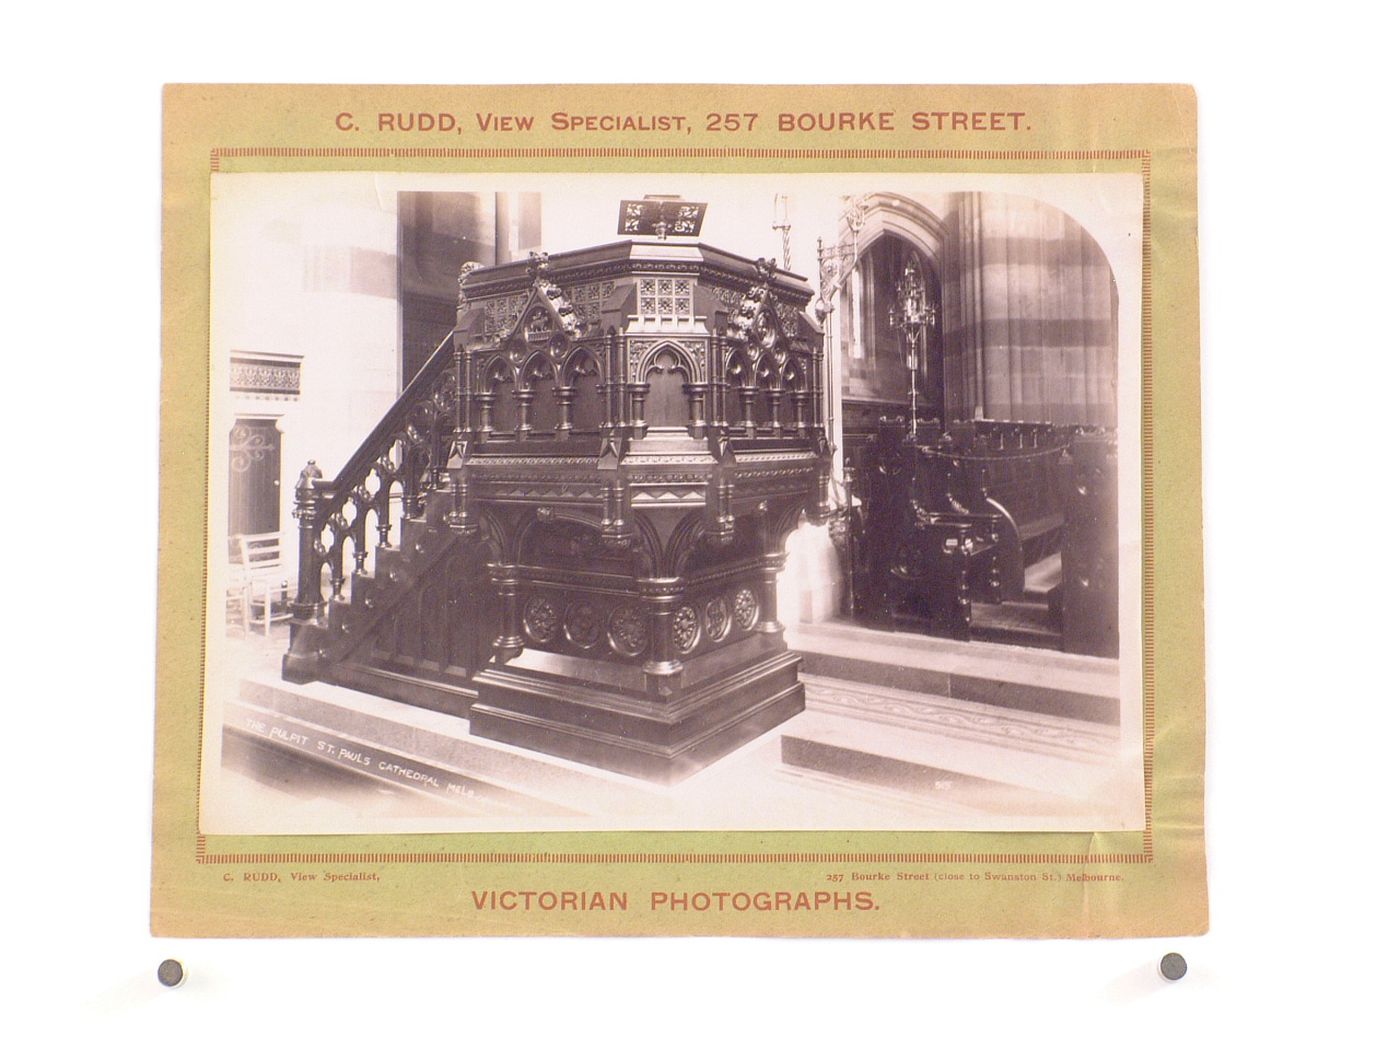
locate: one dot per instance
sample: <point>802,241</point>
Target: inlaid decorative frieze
<point>269,378</point>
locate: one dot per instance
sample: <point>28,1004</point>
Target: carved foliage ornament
<point>582,625</point>
<point>627,630</point>
<point>716,619</point>
<point>745,609</point>
<point>685,628</point>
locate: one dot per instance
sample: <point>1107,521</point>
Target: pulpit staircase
<point>367,613</point>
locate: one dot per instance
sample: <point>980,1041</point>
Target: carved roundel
<point>716,618</point>
<point>765,329</point>
<point>745,609</point>
<point>583,626</point>
<point>541,620</point>
<point>627,630</point>
<point>685,628</point>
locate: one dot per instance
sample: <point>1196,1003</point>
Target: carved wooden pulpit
<point>598,475</point>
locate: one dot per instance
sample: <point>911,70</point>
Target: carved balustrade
<point>402,460</point>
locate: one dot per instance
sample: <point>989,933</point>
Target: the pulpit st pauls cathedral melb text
<point>612,529</point>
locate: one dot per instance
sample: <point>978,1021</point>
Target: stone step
<point>492,786</point>
<point>1085,688</point>
<point>353,725</point>
<point>963,756</point>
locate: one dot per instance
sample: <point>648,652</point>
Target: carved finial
<point>309,473</point>
<point>539,265</point>
<point>766,268</point>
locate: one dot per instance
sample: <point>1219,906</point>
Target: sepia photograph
<point>674,501</point>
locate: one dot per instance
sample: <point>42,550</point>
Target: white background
<point>1298,232</point>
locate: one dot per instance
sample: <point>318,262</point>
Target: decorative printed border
<point>202,855</point>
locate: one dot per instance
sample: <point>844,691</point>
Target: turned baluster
<point>382,517</point>
<point>408,475</point>
<point>357,535</point>
<point>340,532</point>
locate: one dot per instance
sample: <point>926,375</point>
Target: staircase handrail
<point>364,457</point>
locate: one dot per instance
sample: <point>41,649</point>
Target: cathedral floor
<point>952,737</point>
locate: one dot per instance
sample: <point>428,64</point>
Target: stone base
<point>614,718</point>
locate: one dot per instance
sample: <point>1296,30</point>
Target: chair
<point>260,578</point>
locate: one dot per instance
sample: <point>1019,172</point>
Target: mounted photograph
<point>674,502</point>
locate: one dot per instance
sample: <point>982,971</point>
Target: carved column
<point>695,398</point>
<point>719,410</point>
<point>485,400</point>
<point>524,397</point>
<point>564,398</point>
<point>614,379</point>
<point>802,408</point>
<point>637,396</point>
<point>775,409</point>
<point>747,396</point>
<point>463,390</point>
<point>660,597</point>
<point>768,599</point>
<point>510,642</point>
